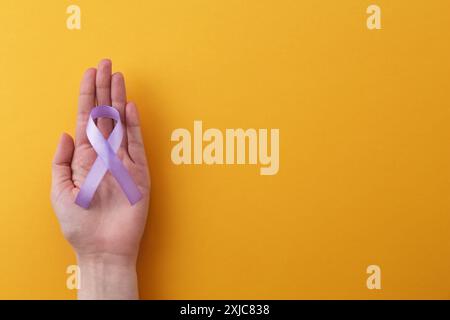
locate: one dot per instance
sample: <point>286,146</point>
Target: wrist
<point>107,276</point>
<point>109,259</point>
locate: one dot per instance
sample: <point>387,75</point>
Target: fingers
<point>61,166</point>
<point>119,99</point>
<point>103,92</point>
<point>86,102</point>
<point>135,143</point>
<point>108,90</point>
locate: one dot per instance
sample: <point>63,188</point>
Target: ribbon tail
<point>91,184</point>
<point>125,181</point>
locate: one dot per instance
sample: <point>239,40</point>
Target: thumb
<point>61,166</point>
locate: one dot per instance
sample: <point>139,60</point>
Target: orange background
<point>364,143</point>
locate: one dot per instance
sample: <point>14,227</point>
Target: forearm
<point>107,277</point>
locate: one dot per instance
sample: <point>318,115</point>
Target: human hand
<point>107,235</point>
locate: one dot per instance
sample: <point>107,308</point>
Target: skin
<point>106,236</point>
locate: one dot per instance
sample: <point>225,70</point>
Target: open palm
<point>111,225</point>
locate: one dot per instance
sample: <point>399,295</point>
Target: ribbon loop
<point>107,159</point>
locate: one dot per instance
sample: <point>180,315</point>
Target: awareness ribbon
<point>107,159</point>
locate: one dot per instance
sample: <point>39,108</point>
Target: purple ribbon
<point>107,159</point>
